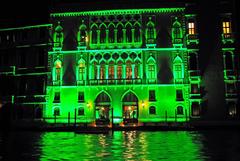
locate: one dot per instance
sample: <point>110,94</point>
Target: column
<point>124,35</point>
<point>133,76</point>
<point>115,35</point>
<point>98,37</point>
<point>107,35</point>
<point>106,70</point>
<point>132,35</point>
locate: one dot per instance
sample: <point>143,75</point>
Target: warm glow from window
<point>226,27</point>
<point>58,65</point>
<point>191,28</point>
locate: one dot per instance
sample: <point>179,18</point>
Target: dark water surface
<point>132,145</point>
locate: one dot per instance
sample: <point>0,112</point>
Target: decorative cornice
<point>118,12</point>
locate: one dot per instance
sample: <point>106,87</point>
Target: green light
<point>120,12</point>
<point>27,27</point>
<point>137,146</point>
<point>117,50</point>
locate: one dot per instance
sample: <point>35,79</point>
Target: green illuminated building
<point>123,66</point>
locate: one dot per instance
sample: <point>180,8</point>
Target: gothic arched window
<point>81,70</point>
<point>120,33</point>
<point>58,36</point>
<point>94,34</point>
<point>178,70</point>
<point>111,33</point>
<point>129,32</point>
<point>103,33</point>
<point>177,30</point>
<point>57,71</point>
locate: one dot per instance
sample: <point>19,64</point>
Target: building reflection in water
<point>131,145</point>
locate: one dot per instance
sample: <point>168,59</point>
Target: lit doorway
<point>102,109</point>
<point>130,108</point>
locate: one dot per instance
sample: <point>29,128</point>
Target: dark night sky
<point>32,12</point>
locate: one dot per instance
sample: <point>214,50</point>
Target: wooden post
<point>112,120</point>
<point>75,117</point>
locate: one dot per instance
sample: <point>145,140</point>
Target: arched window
<point>95,70</point>
<point>103,33</point>
<point>81,70</point>
<point>151,69</point>
<point>82,34</point>
<point>179,110</point>
<point>57,71</point>
<point>152,110</point>
<point>120,33</point>
<point>178,68</point>
<point>177,30</point>
<point>94,34</point>
<point>119,70</point>
<point>56,111</point>
<point>129,69</point>
<point>129,32</point>
<point>102,70</point>
<point>58,36</point>
<point>111,33</point>
<point>137,69</point>
<point>111,70</point>
<point>137,32</point>
<point>150,31</point>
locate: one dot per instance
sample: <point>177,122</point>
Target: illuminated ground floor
<point>123,105</point>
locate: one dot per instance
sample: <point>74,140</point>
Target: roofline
<point>26,27</point>
<point>117,11</point>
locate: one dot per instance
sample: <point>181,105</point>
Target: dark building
<point>126,63</point>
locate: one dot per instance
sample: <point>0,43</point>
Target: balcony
<point>118,45</point>
<point>151,43</point>
<point>57,83</point>
<point>192,39</point>
<point>82,45</point>
<point>230,74</point>
<point>228,38</point>
<point>114,81</point>
<point>32,71</point>
<point>10,70</point>
<point>194,73</point>
<point>30,99</point>
<point>177,43</point>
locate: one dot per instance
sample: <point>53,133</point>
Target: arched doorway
<point>102,109</point>
<point>130,108</point>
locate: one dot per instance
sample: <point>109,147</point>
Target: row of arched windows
<point>119,33</point>
<point>112,33</point>
<point>128,69</point>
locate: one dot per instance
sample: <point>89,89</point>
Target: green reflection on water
<point>132,145</point>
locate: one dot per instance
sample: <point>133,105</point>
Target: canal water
<point>131,145</point>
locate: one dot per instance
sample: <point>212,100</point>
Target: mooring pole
<point>75,117</point>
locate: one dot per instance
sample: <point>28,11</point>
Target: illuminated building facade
<point>126,66</point>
